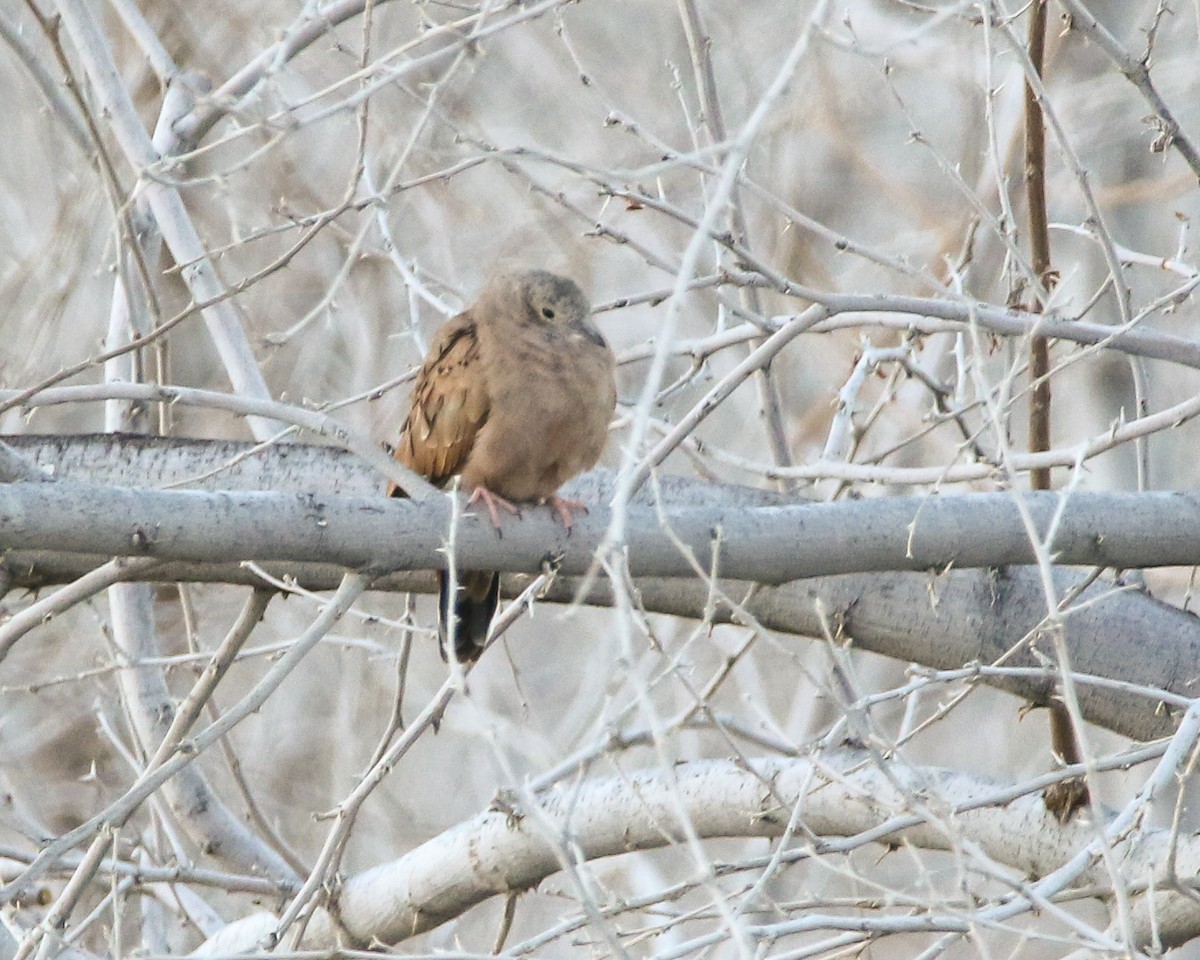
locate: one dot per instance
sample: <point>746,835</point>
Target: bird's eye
<point>547,313</point>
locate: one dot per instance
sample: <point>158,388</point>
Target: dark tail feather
<point>474,607</point>
<point>478,597</point>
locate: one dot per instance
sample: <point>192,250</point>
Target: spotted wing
<point>449,405</point>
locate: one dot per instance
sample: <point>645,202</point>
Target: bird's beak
<point>592,332</point>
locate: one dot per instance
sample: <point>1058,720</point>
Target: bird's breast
<point>550,408</point>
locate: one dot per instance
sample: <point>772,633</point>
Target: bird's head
<point>549,300</point>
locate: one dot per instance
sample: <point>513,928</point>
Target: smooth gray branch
<point>941,620</point>
<point>771,544</point>
<point>847,799</point>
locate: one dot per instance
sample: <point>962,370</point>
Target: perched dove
<point>515,397</point>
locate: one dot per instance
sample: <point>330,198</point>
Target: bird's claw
<point>494,504</point>
<point>563,507</point>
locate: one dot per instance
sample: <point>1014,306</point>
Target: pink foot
<point>493,503</point>
<point>563,507</point>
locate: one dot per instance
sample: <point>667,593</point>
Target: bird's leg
<point>494,504</point>
<point>563,507</point>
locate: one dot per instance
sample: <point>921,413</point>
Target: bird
<point>514,398</point>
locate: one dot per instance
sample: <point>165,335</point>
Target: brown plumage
<point>515,397</point>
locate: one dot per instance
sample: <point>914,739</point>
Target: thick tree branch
<point>974,618</point>
<point>912,617</point>
<point>915,616</point>
<point>848,794</point>
<point>772,544</point>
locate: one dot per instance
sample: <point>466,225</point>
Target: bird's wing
<point>449,404</point>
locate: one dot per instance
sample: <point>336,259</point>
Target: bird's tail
<point>473,609</point>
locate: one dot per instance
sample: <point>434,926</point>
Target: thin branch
<point>153,778</point>
<point>117,570</point>
<point>1039,241</point>
<point>60,105</point>
<point>1137,72</point>
<point>172,217</point>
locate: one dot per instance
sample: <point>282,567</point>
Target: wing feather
<point>449,405</point>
